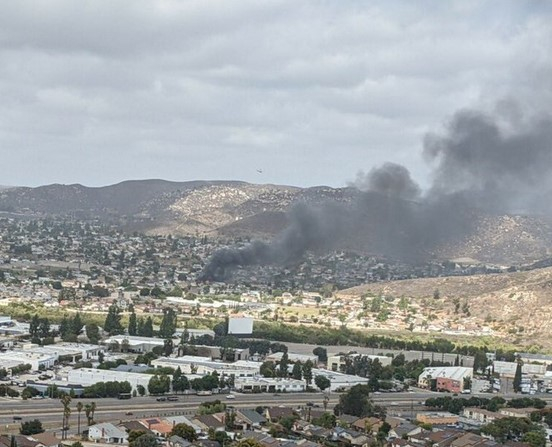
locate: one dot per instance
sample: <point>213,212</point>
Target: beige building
<point>439,418</point>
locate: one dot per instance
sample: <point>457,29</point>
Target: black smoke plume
<point>479,165</point>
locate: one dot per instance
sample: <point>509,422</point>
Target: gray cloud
<point>97,92</point>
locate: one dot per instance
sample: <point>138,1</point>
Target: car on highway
<point>17,418</point>
<point>129,413</point>
<point>172,398</point>
<point>161,399</point>
<point>230,396</point>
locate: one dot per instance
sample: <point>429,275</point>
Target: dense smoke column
<point>481,165</point>
<point>309,228</point>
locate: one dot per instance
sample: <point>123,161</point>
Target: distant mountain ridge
<point>235,208</point>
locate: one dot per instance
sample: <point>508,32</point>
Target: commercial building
<point>134,343</point>
<point>302,358</point>
<point>509,368</point>
<point>340,381</point>
<point>216,352</point>
<point>190,364</point>
<point>338,362</point>
<point>38,361</point>
<point>260,384</point>
<point>88,376</point>
<point>446,378</point>
<point>70,352</point>
<point>438,418</point>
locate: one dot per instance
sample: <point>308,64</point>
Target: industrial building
<point>88,376</point>
<point>190,364</point>
<point>259,384</point>
<point>446,378</point>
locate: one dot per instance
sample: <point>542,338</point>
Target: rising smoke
<point>480,164</point>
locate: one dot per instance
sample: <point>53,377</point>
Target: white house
<point>107,433</point>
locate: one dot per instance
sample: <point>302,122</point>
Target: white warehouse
<point>88,376</point>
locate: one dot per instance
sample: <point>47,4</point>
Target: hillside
<point>229,208</point>
<point>516,305</point>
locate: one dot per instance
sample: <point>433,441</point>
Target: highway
<point>49,411</point>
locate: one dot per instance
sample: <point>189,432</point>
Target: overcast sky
<point>309,92</point>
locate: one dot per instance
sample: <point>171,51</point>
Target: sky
<point>282,91</point>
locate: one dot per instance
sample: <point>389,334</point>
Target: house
<point>107,433</point>
<point>481,416</point>
<point>517,412</point>
<point>404,429</point>
<point>249,419</point>
<point>368,425</point>
<point>274,414</point>
<point>264,439</point>
<point>209,421</point>
<point>473,440</point>
<point>177,441</point>
<point>20,440</point>
<point>129,426</point>
<point>47,439</point>
<point>159,427</point>
<point>350,436</point>
<point>175,420</point>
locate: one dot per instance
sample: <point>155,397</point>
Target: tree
<point>184,431</point>
<point>76,324</point>
<point>79,410</point>
<point>322,354</point>
<point>327,420</point>
<point>31,427</point>
<point>112,323</point>
<point>297,371</point>
<point>179,381</point>
<point>89,410</point>
<point>92,333</point>
<point>141,390</point>
<point>159,384</point>
<point>145,441</point>
<point>517,377</point>
<point>357,402</point>
<point>248,442</point>
<point>168,323</point>
<point>168,347</point>
<point>34,327</point>
<point>66,402</point>
<point>267,369</point>
<point>283,365</point>
<point>307,372</point>
<point>145,328</point>
<point>132,324</point>
<point>322,382</point>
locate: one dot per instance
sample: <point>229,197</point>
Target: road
<point>49,411</point>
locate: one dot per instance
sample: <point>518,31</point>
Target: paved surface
<point>49,411</point>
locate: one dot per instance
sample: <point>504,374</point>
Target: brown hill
<point>229,208</point>
<point>517,306</point>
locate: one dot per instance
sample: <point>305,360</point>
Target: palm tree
<point>92,411</point>
<point>66,402</point>
<point>87,412</point>
<point>79,409</point>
